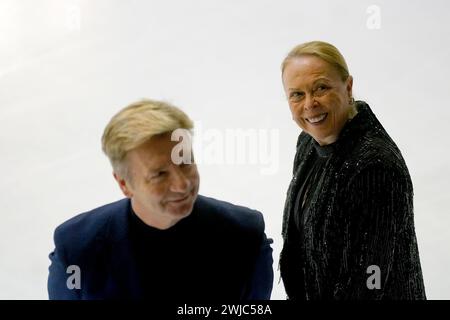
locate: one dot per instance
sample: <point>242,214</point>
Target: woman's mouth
<point>319,119</point>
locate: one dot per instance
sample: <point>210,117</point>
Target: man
<point>163,241</point>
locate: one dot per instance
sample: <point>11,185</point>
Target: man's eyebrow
<point>151,170</point>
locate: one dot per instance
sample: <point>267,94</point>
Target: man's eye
<point>159,174</point>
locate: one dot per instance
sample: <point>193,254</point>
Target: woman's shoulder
<point>371,145</point>
<point>376,152</point>
<point>378,147</point>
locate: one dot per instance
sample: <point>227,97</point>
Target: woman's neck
<point>352,111</point>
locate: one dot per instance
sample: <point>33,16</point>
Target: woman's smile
<point>317,120</point>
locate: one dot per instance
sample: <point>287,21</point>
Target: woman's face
<point>317,96</point>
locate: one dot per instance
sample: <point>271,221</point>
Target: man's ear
<point>124,185</point>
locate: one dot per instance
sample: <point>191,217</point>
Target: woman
<point>348,225</point>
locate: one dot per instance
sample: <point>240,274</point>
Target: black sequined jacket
<point>360,215</point>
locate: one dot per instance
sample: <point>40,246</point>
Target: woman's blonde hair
<point>322,50</point>
<point>136,124</point>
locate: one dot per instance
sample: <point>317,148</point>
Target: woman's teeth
<point>317,119</point>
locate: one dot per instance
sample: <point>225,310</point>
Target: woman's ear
<point>349,86</point>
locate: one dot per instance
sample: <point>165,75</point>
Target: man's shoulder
<point>91,225</point>
<point>229,214</point>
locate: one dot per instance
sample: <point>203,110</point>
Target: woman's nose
<point>310,102</point>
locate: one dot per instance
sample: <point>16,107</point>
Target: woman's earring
<point>351,101</point>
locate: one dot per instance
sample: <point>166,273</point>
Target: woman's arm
<point>378,204</point>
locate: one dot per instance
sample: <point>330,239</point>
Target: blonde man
<point>163,241</point>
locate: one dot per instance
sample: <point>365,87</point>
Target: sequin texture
<point>350,206</point>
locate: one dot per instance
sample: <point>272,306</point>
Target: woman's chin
<point>323,140</point>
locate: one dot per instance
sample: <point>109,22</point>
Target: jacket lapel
<point>303,153</point>
<point>125,277</point>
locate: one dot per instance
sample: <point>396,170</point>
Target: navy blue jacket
<point>229,257</point>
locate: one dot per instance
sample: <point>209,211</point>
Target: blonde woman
<point>348,224</point>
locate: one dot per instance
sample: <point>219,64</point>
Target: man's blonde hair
<point>136,124</point>
<point>322,50</point>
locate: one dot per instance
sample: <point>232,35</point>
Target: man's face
<point>161,192</point>
<point>318,97</point>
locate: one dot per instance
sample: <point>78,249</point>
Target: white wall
<point>67,66</point>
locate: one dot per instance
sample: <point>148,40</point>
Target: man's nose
<point>180,182</point>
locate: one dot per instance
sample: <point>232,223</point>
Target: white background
<point>67,66</point>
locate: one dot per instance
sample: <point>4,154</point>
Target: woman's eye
<point>321,88</point>
<point>296,95</point>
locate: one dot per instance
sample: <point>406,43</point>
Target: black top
<point>189,259</point>
<point>350,207</point>
<point>316,165</point>
<point>162,252</point>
